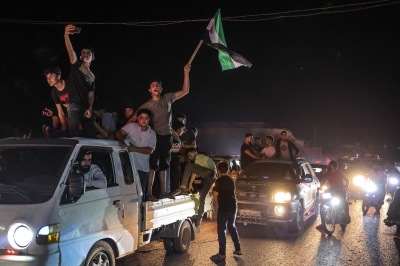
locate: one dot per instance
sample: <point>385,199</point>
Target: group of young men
<point>251,152</point>
<point>148,133</point>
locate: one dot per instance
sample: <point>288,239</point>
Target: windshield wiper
<point>16,191</point>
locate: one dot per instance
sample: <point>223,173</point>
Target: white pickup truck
<point>49,217</point>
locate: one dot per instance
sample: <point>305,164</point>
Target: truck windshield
<point>29,174</point>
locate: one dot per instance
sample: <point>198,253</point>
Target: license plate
<point>249,213</point>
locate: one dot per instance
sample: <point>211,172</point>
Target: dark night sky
<point>339,72</point>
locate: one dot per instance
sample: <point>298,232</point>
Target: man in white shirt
<point>142,140</point>
<point>269,150</point>
<point>93,175</point>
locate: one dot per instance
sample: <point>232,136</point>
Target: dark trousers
<point>227,220</point>
<point>76,114</point>
<point>175,172</point>
<point>208,181</point>
<point>381,191</point>
<point>143,182</point>
<point>393,211</point>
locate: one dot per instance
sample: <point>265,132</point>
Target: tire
<point>365,206</point>
<point>297,222</point>
<point>182,242</point>
<point>328,219</point>
<point>168,244</point>
<point>101,253</point>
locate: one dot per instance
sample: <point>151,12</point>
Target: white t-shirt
<point>141,139</point>
<point>269,151</point>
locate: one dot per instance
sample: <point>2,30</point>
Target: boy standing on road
<point>225,192</point>
<point>161,108</point>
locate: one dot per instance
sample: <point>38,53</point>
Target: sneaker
<point>320,229</point>
<point>197,223</point>
<point>217,258</point>
<point>175,192</point>
<point>389,222</point>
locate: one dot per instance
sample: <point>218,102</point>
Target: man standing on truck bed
<point>161,108</point>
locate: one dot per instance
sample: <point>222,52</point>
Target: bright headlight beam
<point>19,236</point>
<point>282,196</point>
<point>393,181</point>
<point>359,180</point>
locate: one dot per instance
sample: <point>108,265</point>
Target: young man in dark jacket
<point>284,148</point>
<point>224,190</point>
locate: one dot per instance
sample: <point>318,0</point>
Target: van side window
<point>101,157</point>
<point>126,167</point>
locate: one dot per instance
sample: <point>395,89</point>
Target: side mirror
<point>76,187</point>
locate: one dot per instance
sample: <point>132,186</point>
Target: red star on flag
<point>211,30</point>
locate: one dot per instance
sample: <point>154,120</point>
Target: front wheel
<point>297,222</point>
<point>100,254</point>
<point>328,219</point>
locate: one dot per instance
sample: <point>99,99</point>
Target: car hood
<point>261,191</point>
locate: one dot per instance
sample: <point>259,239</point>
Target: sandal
<point>237,252</point>
<point>151,198</point>
<point>217,258</point>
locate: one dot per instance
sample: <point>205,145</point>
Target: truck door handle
<point>117,202</point>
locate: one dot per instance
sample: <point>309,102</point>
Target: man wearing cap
<point>247,155</point>
<point>161,108</point>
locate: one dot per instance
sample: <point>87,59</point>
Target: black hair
<point>52,70</point>
<point>189,150</point>
<point>284,131</point>
<point>223,167</point>
<point>153,80</point>
<point>144,111</point>
<point>270,137</point>
<point>248,135</point>
<point>129,105</point>
<point>194,129</point>
<point>257,138</point>
<point>177,125</point>
<point>88,48</point>
<point>333,163</point>
<point>22,131</point>
<point>181,116</point>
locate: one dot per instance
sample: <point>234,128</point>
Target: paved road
<point>367,241</point>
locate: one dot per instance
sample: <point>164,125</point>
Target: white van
<point>49,217</point>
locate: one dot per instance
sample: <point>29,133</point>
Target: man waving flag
<point>228,58</point>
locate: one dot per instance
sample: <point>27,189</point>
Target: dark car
<point>277,191</point>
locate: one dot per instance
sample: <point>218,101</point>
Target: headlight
<point>48,234</point>
<point>358,180</point>
<point>335,201</point>
<point>281,196</point>
<point>326,196</point>
<point>393,181</point>
<point>370,187</point>
<point>324,187</point>
<point>19,236</point>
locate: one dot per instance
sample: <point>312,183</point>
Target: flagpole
<point>195,51</point>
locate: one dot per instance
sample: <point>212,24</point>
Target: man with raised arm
<point>161,108</point>
<point>80,104</point>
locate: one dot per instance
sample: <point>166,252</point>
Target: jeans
<point>176,175</point>
<point>143,182</point>
<point>208,181</point>
<point>76,114</point>
<point>227,220</point>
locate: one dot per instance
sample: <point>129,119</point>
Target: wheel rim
<point>100,259</point>
<point>185,237</point>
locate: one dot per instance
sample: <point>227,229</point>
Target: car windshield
<point>29,174</point>
<point>271,172</point>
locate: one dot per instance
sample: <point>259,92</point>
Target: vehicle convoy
<point>371,198</point>
<point>332,210</point>
<point>277,191</point>
<point>49,216</point>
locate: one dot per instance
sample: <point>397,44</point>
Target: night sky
<point>337,72</point>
